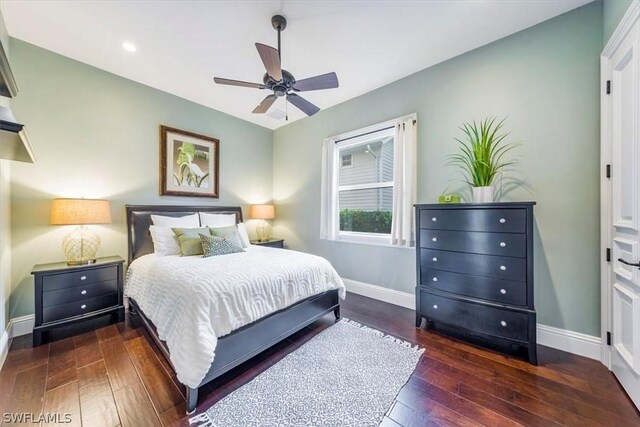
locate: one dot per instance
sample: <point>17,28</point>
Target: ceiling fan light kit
<point>281,82</point>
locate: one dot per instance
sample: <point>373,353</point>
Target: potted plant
<point>482,156</point>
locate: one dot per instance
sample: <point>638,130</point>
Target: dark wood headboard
<point>139,220</point>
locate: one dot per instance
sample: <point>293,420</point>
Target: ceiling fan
<point>280,81</point>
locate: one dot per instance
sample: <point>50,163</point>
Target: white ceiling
<point>181,45</point>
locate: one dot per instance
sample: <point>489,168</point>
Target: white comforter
<point>194,300</point>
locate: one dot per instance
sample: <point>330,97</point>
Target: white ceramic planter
<point>483,194</point>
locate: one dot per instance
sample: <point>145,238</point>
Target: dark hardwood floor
<point>114,376</point>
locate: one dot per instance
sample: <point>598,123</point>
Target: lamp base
<point>81,246</point>
<point>263,230</point>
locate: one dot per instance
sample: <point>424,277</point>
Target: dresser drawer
<point>79,293</point>
<point>63,311</point>
<point>506,244</point>
<point>506,268</point>
<point>79,278</point>
<point>491,220</point>
<point>475,317</point>
<point>495,290</point>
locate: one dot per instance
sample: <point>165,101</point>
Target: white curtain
<point>404,182</point>
<point>328,193</point>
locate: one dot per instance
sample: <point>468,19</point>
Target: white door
<point>624,273</point>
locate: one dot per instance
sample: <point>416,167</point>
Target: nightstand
<point>273,243</point>
<point>68,294</point>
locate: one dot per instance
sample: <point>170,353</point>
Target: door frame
<point>624,27</point>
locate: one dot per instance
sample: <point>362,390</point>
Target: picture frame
<point>189,164</point>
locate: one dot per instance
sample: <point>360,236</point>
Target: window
<point>365,190</point>
<point>347,160</point>
<point>360,202</point>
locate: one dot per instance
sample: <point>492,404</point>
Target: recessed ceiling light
<point>128,46</point>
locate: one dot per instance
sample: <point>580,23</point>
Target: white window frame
<point>330,228</point>
<point>346,141</point>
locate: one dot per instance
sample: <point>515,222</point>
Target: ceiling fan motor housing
<point>280,87</point>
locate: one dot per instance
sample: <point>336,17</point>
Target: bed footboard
<point>250,340</point>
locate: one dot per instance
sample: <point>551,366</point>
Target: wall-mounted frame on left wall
<point>189,164</point>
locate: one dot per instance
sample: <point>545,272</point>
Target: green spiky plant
<point>483,151</point>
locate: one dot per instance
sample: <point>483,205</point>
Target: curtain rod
<point>369,133</point>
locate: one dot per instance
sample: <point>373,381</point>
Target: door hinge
<point>608,171</point>
<point>608,338</point>
<point>608,87</point>
<point>608,254</point>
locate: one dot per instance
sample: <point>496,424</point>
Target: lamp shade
<point>80,211</point>
<point>262,212</point>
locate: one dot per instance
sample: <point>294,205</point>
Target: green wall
<point>613,11</point>
<point>96,135</point>
<point>545,79</point>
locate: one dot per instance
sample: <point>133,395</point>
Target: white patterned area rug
<point>348,375</point>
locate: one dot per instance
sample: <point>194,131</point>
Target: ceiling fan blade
<point>230,82</point>
<point>323,81</point>
<point>271,60</point>
<point>305,106</point>
<point>265,104</point>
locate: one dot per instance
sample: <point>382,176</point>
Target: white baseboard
<point>22,325</point>
<point>5,343</point>
<point>570,341</point>
<point>16,327</point>
<point>561,339</point>
<point>403,299</point>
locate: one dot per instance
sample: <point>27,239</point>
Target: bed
<point>240,344</point>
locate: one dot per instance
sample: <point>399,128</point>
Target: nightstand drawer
<point>507,244</point>
<point>79,278</point>
<point>79,293</point>
<point>475,317</point>
<point>492,220</point>
<point>64,311</point>
<point>505,268</point>
<point>487,288</point>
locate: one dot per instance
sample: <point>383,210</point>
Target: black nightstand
<point>273,243</point>
<point>68,294</point>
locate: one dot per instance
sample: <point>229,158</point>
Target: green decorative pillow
<point>189,239</point>
<point>231,230</point>
<point>213,245</point>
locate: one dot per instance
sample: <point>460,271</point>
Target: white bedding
<point>194,300</point>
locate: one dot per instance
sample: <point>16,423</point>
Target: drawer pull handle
<point>503,268</point>
<point>434,219</point>
<point>84,292</point>
<point>435,259</point>
<point>503,244</point>
<point>503,323</point>
<point>502,220</point>
<point>503,291</point>
<point>83,278</point>
<point>83,306</point>
<point>435,239</point>
<point>435,306</point>
<point>435,279</point>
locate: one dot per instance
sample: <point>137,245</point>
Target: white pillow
<point>165,241</point>
<point>189,221</point>
<point>242,230</point>
<point>217,220</point>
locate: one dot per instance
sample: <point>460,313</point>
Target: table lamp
<point>81,245</point>
<point>263,212</point>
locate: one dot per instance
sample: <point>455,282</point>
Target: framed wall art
<point>189,164</point>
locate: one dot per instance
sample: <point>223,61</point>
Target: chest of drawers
<point>67,294</point>
<point>475,272</point>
